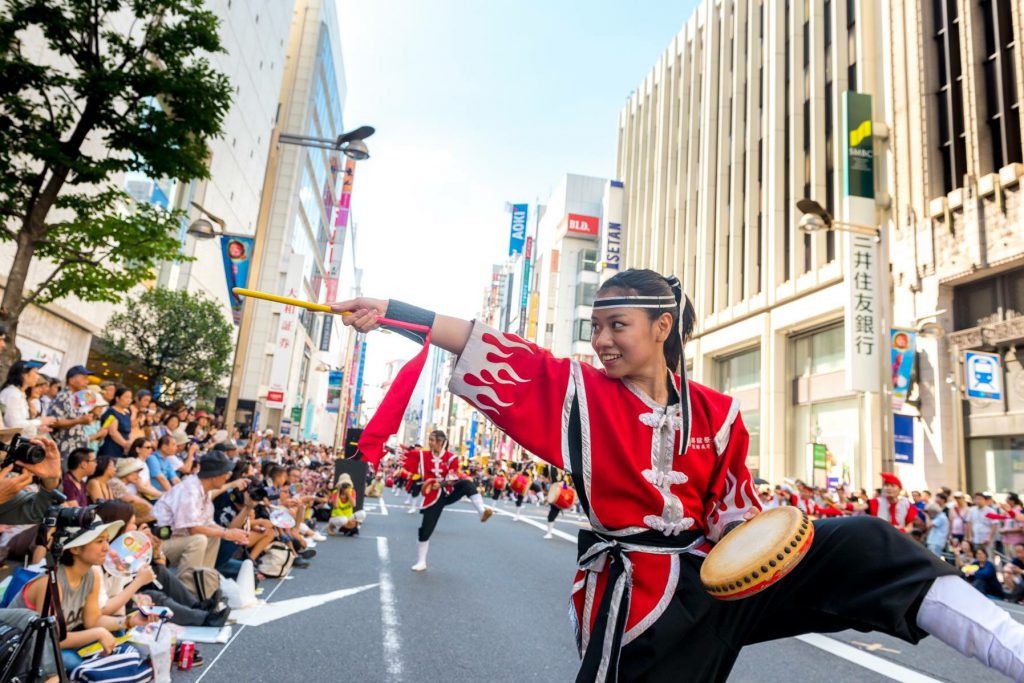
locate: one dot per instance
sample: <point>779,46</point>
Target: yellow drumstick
<point>288,301</point>
<point>252,293</point>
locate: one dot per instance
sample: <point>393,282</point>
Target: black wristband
<point>407,313</point>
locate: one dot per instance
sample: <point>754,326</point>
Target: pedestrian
<point>117,419</point>
<point>659,464</point>
<point>958,511</point>
<point>981,523</point>
<point>938,529</point>
<point>442,486</point>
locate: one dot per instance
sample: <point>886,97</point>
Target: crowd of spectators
<point>205,499</point>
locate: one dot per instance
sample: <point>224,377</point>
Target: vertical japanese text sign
<point>863,333</point>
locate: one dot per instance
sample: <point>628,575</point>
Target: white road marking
<point>389,615</point>
<point>383,507</point>
<point>877,664</point>
<point>272,611</point>
<point>238,632</point>
<point>556,532</point>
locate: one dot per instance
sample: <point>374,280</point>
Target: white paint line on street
<point>383,507</point>
<point>389,615</point>
<point>238,632</point>
<point>861,658</point>
<point>542,527</point>
<point>272,611</point>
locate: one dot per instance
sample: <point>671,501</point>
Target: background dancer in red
<point>561,497</point>
<point>442,486</point>
<point>659,465</point>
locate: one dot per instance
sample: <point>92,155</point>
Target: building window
<point>819,352</point>
<point>989,301</point>
<point>996,464</point>
<point>949,99</point>
<point>1003,107</point>
<point>587,260</point>
<point>584,331</point>
<point>738,371</point>
<point>739,375</point>
<point>585,292</point>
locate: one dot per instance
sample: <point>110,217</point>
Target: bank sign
<point>517,237</point>
<point>858,152</point>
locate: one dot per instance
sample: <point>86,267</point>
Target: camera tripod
<point>49,626</point>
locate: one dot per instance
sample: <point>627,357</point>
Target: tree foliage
<point>182,340</point>
<point>91,90</point>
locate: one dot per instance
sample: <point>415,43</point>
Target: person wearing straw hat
<point>128,474</point>
<point>78,580</point>
<point>659,465</point>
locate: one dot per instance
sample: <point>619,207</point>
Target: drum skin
<point>757,554</point>
<point>520,483</point>
<point>566,497</point>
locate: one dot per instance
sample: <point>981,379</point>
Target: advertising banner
<point>517,234</point>
<point>334,380</point>
<point>859,151</point>
<point>611,232</point>
<point>325,333</point>
<point>862,315</point>
<point>236,253</point>
<point>286,326</point>
<point>903,438</point>
<point>577,225</point>
<point>904,348</point>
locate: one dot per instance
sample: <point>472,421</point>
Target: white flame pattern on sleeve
<point>735,501</point>
<point>486,375</point>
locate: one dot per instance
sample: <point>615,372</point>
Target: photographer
<point>78,579</point>
<point>18,506</point>
<point>184,516</point>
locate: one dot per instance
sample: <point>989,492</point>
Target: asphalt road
<point>492,606</point>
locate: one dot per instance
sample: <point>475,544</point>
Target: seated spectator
<point>141,590</point>
<point>162,471</point>
<point>140,450</point>
<point>78,579</point>
<point>35,395</point>
<point>124,486</point>
<point>118,421</point>
<point>98,486</point>
<point>344,518</point>
<point>186,512</point>
<point>1013,575</point>
<point>937,525</point>
<point>984,579</point>
<point>234,508</point>
<point>21,378</point>
<point>81,465</point>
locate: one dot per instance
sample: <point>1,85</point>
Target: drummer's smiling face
<point>629,344</point>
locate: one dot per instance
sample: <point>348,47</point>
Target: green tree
<point>118,86</point>
<point>182,340</point>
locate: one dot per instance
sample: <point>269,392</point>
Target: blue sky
<point>477,103</point>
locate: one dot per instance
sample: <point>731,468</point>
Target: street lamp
<point>352,145</point>
<point>202,229</point>
<point>817,218</point>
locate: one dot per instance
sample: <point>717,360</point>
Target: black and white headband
<point>636,302</point>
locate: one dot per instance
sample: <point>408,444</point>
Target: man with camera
<point>38,459</point>
<point>185,515</point>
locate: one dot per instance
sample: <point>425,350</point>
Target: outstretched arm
<point>448,333</point>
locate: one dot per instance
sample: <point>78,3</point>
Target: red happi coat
<point>811,507</point>
<point>899,515</point>
<point>431,467</point>
<point>634,478</point>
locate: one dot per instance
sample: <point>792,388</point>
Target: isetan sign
<point>582,226</point>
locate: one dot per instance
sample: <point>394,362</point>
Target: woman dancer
<point>659,466</point>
